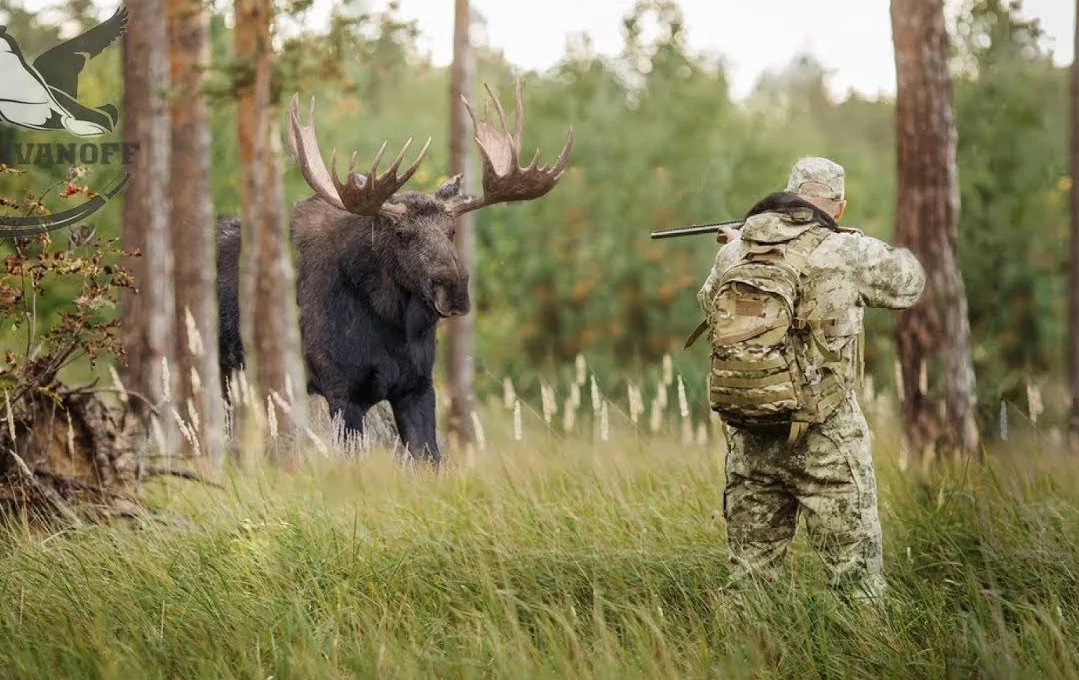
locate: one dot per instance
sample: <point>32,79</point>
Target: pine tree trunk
<point>251,37</point>
<point>277,336</point>
<point>1073,272</point>
<point>459,337</point>
<point>147,317</point>
<point>933,338</point>
<point>268,327</point>
<point>197,371</point>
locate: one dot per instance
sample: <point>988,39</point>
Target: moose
<point>378,269</point>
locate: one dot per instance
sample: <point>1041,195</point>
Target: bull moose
<point>378,269</point>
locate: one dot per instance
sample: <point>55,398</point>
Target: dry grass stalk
<point>575,396</point>
<point>604,423</point>
<point>509,394</point>
<point>166,381</point>
<point>481,437</point>
<point>194,338</point>
<point>548,400</point>
<point>1003,421</point>
<point>518,431</point>
<point>656,420</point>
<point>569,417</point>
<point>271,417</point>
<point>636,402</point>
<point>683,403</point>
<point>1035,407</point>
<point>118,384</point>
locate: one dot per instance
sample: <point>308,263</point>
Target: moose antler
<point>362,195</point>
<point>503,178</point>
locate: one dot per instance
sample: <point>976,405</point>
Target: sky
<point>851,37</point>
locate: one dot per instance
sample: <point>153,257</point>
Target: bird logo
<point>44,95</point>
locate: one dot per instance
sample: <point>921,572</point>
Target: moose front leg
<point>352,415</point>
<point>414,414</point>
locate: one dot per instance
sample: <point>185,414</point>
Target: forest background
<point>659,142</point>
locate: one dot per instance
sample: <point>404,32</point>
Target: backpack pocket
<point>750,380</point>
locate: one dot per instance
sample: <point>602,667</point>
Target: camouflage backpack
<point>760,341</point>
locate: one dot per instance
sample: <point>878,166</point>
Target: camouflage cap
<point>823,177</point>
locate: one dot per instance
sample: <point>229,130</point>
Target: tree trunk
<point>267,324</point>
<point>1073,272</point>
<point>251,38</point>
<point>192,226</point>
<point>933,338</point>
<point>277,336</point>
<point>459,336</point>
<point>147,317</point>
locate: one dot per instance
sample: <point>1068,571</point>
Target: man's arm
<point>887,276</point>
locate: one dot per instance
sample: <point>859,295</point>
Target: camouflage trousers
<point>827,477</point>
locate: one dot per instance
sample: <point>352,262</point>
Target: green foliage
<point>85,328</point>
<point>658,143</point>
<point>1012,112</point>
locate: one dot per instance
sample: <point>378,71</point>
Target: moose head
<point>412,233</point>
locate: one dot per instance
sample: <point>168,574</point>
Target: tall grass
<point>555,555</point>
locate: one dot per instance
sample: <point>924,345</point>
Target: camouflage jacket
<point>847,272</point>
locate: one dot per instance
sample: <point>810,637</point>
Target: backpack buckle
<point>797,432</point>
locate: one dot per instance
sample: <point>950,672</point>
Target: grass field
<point>545,557</point>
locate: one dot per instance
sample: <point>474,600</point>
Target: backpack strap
<point>798,250</point>
<point>797,255</point>
<point>701,328</point>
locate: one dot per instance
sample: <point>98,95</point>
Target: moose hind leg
<point>414,414</point>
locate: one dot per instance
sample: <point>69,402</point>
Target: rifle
<point>709,228</point>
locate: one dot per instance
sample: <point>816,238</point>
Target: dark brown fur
<point>371,291</point>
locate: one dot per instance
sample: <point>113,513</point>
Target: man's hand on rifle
<point>726,235</point>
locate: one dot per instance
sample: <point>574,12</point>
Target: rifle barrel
<point>692,230</point>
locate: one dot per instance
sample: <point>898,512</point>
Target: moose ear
<point>451,188</point>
